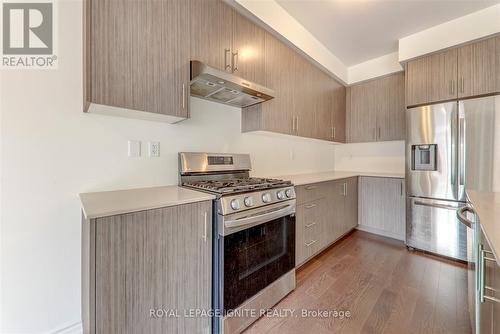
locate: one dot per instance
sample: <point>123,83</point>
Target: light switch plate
<point>154,149</point>
<point>134,148</point>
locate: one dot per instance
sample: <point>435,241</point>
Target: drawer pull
<point>310,243</point>
<point>311,187</point>
<point>309,225</point>
<point>310,206</point>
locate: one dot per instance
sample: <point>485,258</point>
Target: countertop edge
<point>90,212</point>
<point>310,178</point>
<point>474,203</point>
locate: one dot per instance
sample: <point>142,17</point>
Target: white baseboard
<point>381,232</point>
<point>75,328</point>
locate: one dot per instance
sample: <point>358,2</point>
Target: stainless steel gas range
<point>254,236</point>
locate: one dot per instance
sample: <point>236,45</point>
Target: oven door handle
<point>261,218</point>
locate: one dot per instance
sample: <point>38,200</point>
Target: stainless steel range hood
<point>219,86</point>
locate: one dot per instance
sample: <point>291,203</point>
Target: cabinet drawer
<point>310,192</point>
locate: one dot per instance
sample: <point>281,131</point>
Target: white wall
<point>371,157</point>
<point>272,14</point>
<point>460,30</point>
<point>51,151</point>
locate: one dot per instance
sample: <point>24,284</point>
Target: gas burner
<point>236,185</point>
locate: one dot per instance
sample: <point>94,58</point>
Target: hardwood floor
<point>385,287</point>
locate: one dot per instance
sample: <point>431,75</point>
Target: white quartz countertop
<point>301,179</point>
<point>487,207</point>
<point>110,203</point>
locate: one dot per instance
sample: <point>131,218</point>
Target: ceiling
<point>359,30</point>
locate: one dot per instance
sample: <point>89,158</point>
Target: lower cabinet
<point>488,302</point>
<point>136,263</point>
<point>325,212</point>
<point>382,206</point>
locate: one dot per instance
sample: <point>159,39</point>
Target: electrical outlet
<point>154,149</point>
<point>134,148</point>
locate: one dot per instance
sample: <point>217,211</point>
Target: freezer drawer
<point>431,225</point>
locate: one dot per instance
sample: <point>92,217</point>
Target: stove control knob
<point>289,193</point>
<point>266,197</point>
<point>248,201</point>
<point>280,194</point>
<point>235,204</point>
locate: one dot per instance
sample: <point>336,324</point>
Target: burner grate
<point>237,185</point>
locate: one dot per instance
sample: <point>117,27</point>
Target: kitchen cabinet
<point>488,288</point>
<point>309,239</point>
<point>432,78</point>
<point>308,102</point>
<point>382,206</point>
<point>461,72</point>
<point>139,57</point>
<point>477,68</point>
<point>136,262</point>
<point>325,212</point>
<point>211,33</point>
<point>376,110</point>
<point>247,53</point>
<point>339,112</point>
<point>276,114</point>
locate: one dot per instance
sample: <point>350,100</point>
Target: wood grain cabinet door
<point>362,113</point>
<point>211,33</point>
<point>432,78</point>
<point>391,121</point>
<point>278,113</point>
<point>351,203</point>
<point>248,49</point>
<point>339,112</point>
<point>140,54</point>
<point>477,70</point>
<point>153,259</point>
<point>382,206</point>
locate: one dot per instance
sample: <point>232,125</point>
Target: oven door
<point>257,248</point>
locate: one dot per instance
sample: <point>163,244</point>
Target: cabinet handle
<point>183,96</point>
<point>235,61</point>
<point>379,132</point>
<point>462,85</point>
<point>345,189</point>
<point>204,236</point>
<point>293,124</point>
<point>227,66</point>
<point>297,124</point>
<point>401,189</point>
<point>310,187</point>
<point>452,86</point>
<point>333,132</point>
<point>483,287</point>
<point>309,225</point>
<point>310,206</point>
<point>310,243</point>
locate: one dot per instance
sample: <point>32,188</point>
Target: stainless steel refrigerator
<point>450,147</point>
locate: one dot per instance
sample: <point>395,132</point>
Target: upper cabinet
<point>479,68</point>
<point>227,40</point>
<point>247,52</point>
<point>139,56</point>
<point>431,79</point>
<point>307,103</point>
<point>466,71</point>
<point>375,110</point>
<point>211,33</point>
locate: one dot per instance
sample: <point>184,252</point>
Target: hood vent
<point>222,87</point>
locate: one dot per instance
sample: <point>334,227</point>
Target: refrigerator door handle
<point>434,205</point>
<point>461,215</point>
<point>461,151</point>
